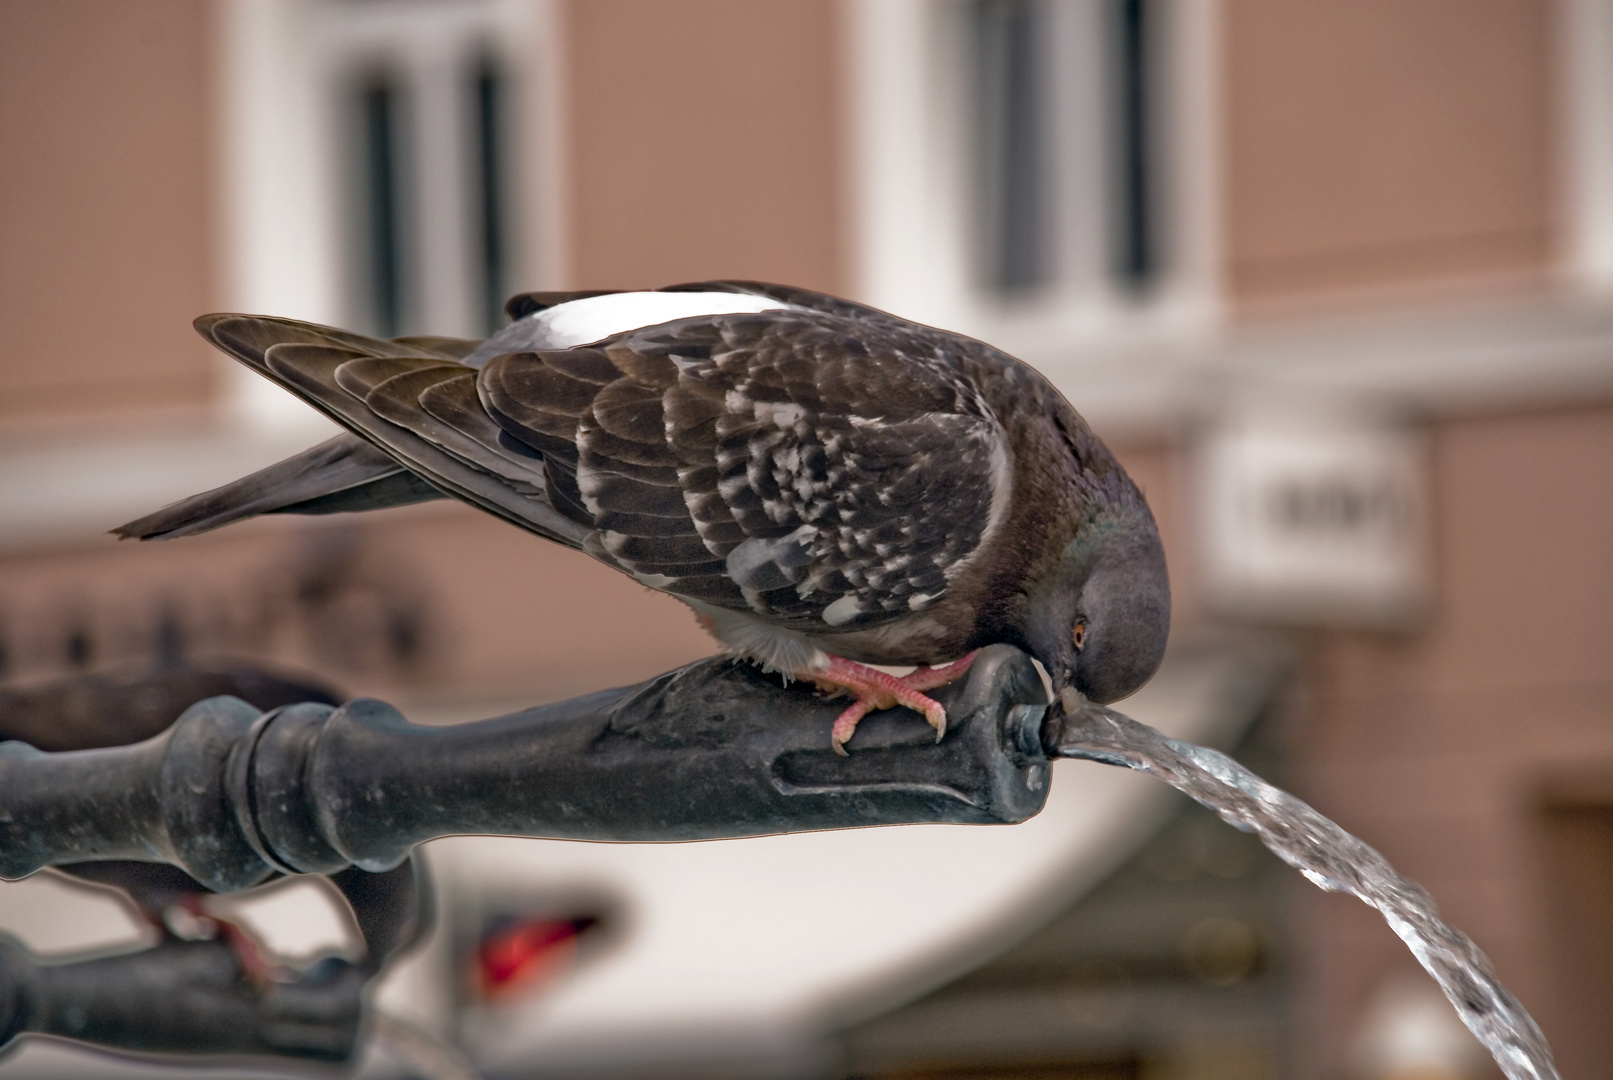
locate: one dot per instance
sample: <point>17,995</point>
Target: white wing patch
<point>581,322</point>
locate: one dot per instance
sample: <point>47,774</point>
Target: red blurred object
<point>520,954</point>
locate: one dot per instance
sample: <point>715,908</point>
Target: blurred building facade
<point>1365,244</point>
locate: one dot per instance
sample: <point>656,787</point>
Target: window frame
<point>908,112</point>
<point>287,229</point>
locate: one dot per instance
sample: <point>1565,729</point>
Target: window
<point>1046,78</point>
<point>1133,64</point>
<point>380,254</point>
<point>1036,173</point>
<point>1008,143</point>
<point>389,166</point>
<point>1587,60</point>
<point>424,148</point>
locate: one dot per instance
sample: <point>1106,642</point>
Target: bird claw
<point>874,689</point>
<point>846,726</point>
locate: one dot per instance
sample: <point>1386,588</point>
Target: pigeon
<point>831,488</point>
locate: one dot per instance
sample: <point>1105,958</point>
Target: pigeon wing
<point>810,469</point>
<point>821,471</point>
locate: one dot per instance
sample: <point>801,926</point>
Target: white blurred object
<point>417,1048</point>
<point>1313,517</point>
<point>54,915</point>
<point>1410,1032</point>
<point>297,919</point>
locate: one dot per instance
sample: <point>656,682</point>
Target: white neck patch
<point>580,322</point>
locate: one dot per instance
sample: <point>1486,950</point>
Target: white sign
<point>1314,522</point>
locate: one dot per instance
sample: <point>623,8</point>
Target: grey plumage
<point>815,477</point>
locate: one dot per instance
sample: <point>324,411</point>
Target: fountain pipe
<point>712,750</point>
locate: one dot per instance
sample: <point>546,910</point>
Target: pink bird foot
<point>875,689</point>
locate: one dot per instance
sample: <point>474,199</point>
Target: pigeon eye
<point>1078,636</point>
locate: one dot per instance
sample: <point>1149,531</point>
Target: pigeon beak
<point>1067,704</point>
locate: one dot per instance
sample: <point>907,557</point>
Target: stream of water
<point>1332,859</point>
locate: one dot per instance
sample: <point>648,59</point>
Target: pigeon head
<point>1099,622</point>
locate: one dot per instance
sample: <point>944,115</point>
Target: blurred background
<point>1333,277</point>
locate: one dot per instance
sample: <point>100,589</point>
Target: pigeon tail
<point>339,475</point>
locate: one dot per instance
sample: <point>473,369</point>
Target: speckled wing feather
<point>816,471</point>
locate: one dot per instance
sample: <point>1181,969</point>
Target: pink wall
<point>1386,143</point>
<point>706,142</point>
<point>106,196</point>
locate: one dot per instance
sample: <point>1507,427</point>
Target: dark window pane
<point>382,198</point>
<point>489,97</point>
<point>1135,228</point>
<point>1013,219</point>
